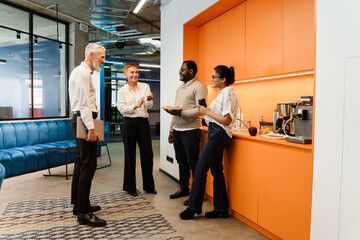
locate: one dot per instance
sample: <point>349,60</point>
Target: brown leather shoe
<point>90,219</point>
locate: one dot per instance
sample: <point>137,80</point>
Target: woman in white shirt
<point>134,99</point>
<point>220,118</point>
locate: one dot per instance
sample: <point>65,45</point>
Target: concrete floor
<point>35,185</point>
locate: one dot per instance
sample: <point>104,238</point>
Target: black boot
<point>189,213</point>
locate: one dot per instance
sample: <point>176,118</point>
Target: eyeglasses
<point>213,77</point>
<point>182,69</point>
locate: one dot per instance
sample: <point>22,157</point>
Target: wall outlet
<point>169,159</point>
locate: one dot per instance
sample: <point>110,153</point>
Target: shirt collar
<point>137,86</point>
<point>190,82</point>
<point>226,88</point>
<point>86,66</point>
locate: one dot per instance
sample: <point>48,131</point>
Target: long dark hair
<point>227,73</point>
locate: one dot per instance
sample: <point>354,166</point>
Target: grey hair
<point>93,47</point>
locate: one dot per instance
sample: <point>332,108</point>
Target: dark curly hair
<point>191,65</point>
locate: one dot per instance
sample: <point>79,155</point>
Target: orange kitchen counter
<point>269,184</point>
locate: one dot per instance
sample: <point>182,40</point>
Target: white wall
<point>173,16</point>
<point>336,190</point>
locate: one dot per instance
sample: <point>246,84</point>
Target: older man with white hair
<point>83,103</point>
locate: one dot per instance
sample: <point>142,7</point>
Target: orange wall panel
<point>232,40</point>
<point>263,37</point>
<point>191,43</point>
<point>258,99</point>
<point>299,35</point>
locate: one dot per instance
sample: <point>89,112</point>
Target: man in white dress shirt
<point>134,99</point>
<point>83,103</point>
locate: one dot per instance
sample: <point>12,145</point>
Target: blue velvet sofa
<point>19,140</point>
<point>2,174</point>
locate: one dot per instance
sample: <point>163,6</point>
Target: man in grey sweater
<point>185,127</point>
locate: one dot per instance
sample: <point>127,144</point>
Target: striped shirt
<point>225,102</point>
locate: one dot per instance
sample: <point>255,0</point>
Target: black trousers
<point>137,130</point>
<point>187,149</point>
<point>84,170</point>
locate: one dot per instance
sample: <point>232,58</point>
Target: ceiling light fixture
<point>149,65</point>
<point>18,35</point>
<point>2,61</point>
<point>139,6</point>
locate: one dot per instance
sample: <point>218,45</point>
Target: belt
<point>78,113</point>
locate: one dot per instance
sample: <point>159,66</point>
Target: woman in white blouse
<point>220,118</point>
<point>134,99</point>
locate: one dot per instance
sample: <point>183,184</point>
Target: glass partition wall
<point>33,65</point>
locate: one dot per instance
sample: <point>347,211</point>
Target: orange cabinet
<point>285,192</point>
<point>263,37</point>
<point>269,182</point>
<point>208,49</point>
<point>298,35</point>
<point>243,179</point>
<point>232,40</point>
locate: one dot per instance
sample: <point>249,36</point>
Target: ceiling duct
<point>110,16</point>
<point>145,49</point>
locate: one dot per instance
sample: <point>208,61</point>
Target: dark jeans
<point>137,130</point>
<point>84,170</point>
<point>187,149</point>
<point>211,157</point>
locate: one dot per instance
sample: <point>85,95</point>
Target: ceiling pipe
<point>140,49</point>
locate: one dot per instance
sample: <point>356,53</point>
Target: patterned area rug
<point>127,218</point>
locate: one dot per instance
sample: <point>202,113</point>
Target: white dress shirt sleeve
<point>148,103</point>
<point>121,104</point>
<point>84,101</point>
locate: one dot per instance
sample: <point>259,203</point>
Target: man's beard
<point>96,65</point>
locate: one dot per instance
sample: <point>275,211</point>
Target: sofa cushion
<point>2,174</point>
<point>53,131</point>
<point>70,134</point>
<point>61,129</point>
<point>9,135</point>
<point>1,139</point>
<point>31,158</point>
<point>33,133</point>
<point>21,134</point>
<point>17,161</point>
<point>43,132</point>
<point>5,160</point>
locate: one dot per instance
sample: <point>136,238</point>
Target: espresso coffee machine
<point>284,115</point>
<point>303,121</point>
